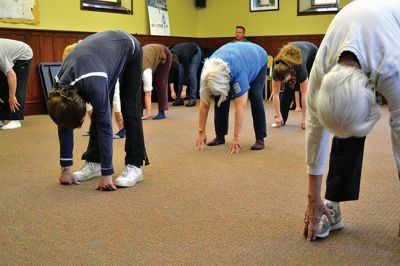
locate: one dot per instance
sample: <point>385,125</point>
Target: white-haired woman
<point>359,54</point>
<point>235,70</point>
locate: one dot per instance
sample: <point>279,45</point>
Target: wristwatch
<point>65,168</point>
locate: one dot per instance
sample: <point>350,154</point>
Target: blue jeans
<point>221,114</point>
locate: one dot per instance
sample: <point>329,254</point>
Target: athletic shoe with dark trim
<point>337,217</point>
<point>120,134</point>
<point>325,226</point>
<point>178,102</point>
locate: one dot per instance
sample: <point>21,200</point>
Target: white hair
<point>345,104</point>
<point>214,80</point>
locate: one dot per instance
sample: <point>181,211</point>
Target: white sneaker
<point>2,123</point>
<point>129,176</point>
<point>12,125</point>
<point>275,125</point>
<point>88,171</point>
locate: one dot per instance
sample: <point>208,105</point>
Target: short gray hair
<point>214,80</point>
<point>345,104</point>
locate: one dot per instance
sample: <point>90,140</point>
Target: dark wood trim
<point>48,46</point>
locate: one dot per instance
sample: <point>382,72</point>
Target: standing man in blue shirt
<point>235,70</point>
<point>88,74</point>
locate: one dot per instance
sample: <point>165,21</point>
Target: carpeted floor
<point>201,208</point>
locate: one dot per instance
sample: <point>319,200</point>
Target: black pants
<point>21,69</point>
<point>130,94</point>
<point>345,163</point>
<point>286,98</point>
<point>221,113</point>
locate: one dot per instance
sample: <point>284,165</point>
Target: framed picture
<point>264,5</point>
<point>114,6</point>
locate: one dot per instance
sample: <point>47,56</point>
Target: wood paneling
<point>48,46</point>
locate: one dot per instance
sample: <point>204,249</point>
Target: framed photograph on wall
<point>264,5</point>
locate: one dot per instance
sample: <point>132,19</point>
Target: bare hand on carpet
<point>315,209</point>
<point>106,184</point>
<point>201,141</point>
<point>236,147</point>
<point>67,178</point>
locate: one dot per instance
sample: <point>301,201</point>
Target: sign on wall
<point>19,11</point>
<point>158,17</point>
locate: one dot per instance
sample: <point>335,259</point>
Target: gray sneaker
<point>88,171</point>
<point>325,226</point>
<point>337,217</point>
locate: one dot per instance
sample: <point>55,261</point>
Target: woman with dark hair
<point>89,74</point>
<point>292,67</point>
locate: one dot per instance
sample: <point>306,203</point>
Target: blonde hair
<point>286,61</point>
<point>214,80</point>
<point>68,49</point>
<point>345,104</point>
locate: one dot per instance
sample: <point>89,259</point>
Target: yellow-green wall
<point>218,19</point>
<point>66,15</point>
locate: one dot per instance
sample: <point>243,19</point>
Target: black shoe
<point>178,102</point>
<point>259,145</point>
<point>216,141</point>
<point>161,115</point>
<point>191,103</point>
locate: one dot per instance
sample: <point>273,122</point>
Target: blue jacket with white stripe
<point>94,66</point>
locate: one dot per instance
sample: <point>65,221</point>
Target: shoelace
<point>127,170</point>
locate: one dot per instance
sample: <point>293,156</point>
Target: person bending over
<point>348,69</point>
<point>292,67</point>
<point>15,62</point>
<point>156,67</point>
<point>88,74</point>
<point>235,70</point>
<point>189,55</point>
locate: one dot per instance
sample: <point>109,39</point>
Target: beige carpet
<point>200,208</point>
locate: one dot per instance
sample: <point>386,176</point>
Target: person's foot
<point>88,171</point>
<point>217,141</point>
<point>160,115</point>
<point>191,103</point>
<point>145,117</point>
<point>178,102</point>
<point>275,125</point>
<point>259,145</point>
<point>325,226</point>
<point>2,123</point>
<point>13,124</point>
<point>120,134</point>
<point>129,176</point>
